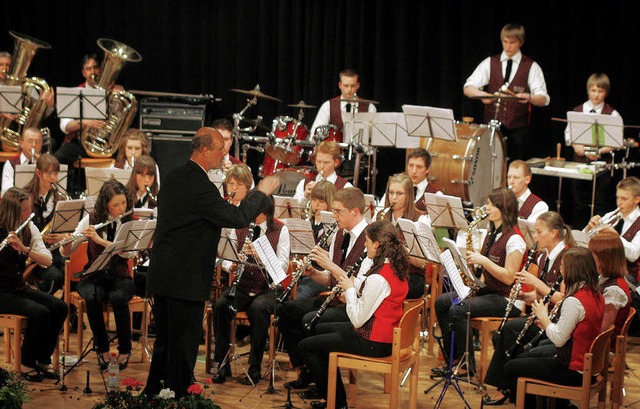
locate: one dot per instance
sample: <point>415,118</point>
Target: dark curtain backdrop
<point>407,52</point>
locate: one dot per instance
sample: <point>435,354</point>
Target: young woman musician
<point>253,294</point>
<point>46,313</point>
<point>134,144</point>
<point>238,183</point>
<point>44,195</point>
<point>374,306</point>
<point>113,284</point>
<point>580,322</point>
<point>143,176</point>
<point>501,257</point>
<point>553,238</point>
<point>399,203</point>
<point>321,200</point>
<point>608,251</point>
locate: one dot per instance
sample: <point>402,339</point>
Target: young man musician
<point>30,141</point>
<point>347,246</point>
<point>253,294</point>
<point>327,159</point>
<point>530,206</point>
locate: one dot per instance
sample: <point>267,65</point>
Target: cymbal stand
<point>236,124</point>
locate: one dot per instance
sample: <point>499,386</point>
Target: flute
<point>24,224</point>
<point>77,236</point>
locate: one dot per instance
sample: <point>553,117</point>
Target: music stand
<point>420,240</point>
<point>67,215</point>
<point>97,176</point>
<point>369,207</point>
<point>300,235</point>
<point>327,219</point>
<point>598,131</point>
<point>430,122</point>
<point>528,229</point>
<point>24,174</point>
<point>445,211</point>
<point>81,103</point>
<point>286,207</point>
<point>10,99</point>
<point>581,238</point>
<point>217,177</point>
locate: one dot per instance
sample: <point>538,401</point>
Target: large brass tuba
<point>33,106</point>
<point>121,105</point>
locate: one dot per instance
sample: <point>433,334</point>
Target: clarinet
<point>536,339</point>
<point>515,291</point>
<point>515,348</point>
<point>24,224</point>
<point>335,291</point>
<point>234,287</point>
<point>298,274</point>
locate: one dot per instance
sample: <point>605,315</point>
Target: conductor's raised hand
<point>269,185</point>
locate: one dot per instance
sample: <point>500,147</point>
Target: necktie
<point>345,247</point>
<point>618,227</point>
<point>545,269</point>
<point>507,74</point>
<point>593,111</point>
<point>415,192</point>
<point>256,233</point>
<point>111,232</point>
<point>348,107</point>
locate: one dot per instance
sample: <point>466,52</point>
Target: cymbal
<point>498,96</point>
<point>301,104</point>
<point>255,92</point>
<point>357,99</point>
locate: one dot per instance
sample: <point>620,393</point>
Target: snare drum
<point>290,177</point>
<point>285,130</point>
<point>463,168</point>
<point>328,132</point>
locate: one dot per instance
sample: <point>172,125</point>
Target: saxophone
<point>479,215</point>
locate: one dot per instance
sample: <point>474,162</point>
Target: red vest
<point>379,328</point>
<point>528,205</point>
<point>571,354</point>
<point>335,113</point>
<point>512,113</point>
<point>339,184</point>
<point>632,266</point>
<point>421,204</point>
<point>14,161</point>
<point>623,312</point>
<point>498,254</point>
<point>254,281</point>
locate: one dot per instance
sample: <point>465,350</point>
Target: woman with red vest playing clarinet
<point>608,251</point>
<point>502,255</point>
<point>374,306</point>
<point>112,284</point>
<point>580,322</point>
<point>46,313</point>
<point>398,204</point>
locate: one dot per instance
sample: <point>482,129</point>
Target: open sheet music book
<point>461,262</point>
<point>454,275</point>
<point>269,259</point>
<point>420,240</point>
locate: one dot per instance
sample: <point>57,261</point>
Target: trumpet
<point>24,224</point>
<point>298,274</point>
<point>515,290</point>
<point>611,220</point>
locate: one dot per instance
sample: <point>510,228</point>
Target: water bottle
<point>114,372</point>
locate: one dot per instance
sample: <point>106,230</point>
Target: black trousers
<point>46,315</point>
<point>95,292</point>
<point>67,154</point>
<point>51,279</point>
<point>178,334</point>
<point>416,286</point>
<point>259,309</point>
<point>453,319</point>
<point>316,350</point>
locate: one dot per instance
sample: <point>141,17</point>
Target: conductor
<point>190,217</point>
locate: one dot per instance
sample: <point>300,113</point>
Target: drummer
<point>333,110</point>
<point>225,127</point>
<point>327,158</point>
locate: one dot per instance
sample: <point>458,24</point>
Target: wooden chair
<point>75,264</point>
<point>404,356</point>
<point>13,326</point>
<point>429,314</point>
<point>486,326</point>
<point>618,363</point>
<point>595,364</point>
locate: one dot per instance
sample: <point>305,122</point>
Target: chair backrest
<point>78,260</point>
<point>627,322</point>
<point>409,325</point>
<point>600,352</point>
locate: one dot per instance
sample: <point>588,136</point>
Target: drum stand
<point>494,126</point>
<point>236,124</point>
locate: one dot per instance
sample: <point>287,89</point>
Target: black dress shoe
<point>48,372</point>
<point>32,376</point>
<point>495,402</point>
<point>219,377</point>
<point>317,404</point>
<point>303,381</point>
<point>252,379</point>
<point>311,393</point>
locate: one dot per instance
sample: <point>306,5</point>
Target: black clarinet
<point>335,291</point>
<point>517,287</point>
<point>234,286</point>
<point>516,347</point>
<point>536,339</point>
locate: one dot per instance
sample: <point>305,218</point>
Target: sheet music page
<point>452,271</point>
<point>461,261</point>
<point>527,228</point>
<point>102,260</point>
<point>136,234</point>
<point>369,207</point>
<point>420,240</point>
<point>286,207</point>
<point>581,238</point>
<point>428,242</point>
<point>301,235</point>
<point>327,218</point>
<point>67,215</point>
<point>269,259</point>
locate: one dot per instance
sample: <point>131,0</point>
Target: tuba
<point>121,105</point>
<point>33,89</point>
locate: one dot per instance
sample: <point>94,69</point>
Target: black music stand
<point>430,122</point>
<point>287,207</point>
<point>11,99</point>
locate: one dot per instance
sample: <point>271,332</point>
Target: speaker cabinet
<point>170,152</point>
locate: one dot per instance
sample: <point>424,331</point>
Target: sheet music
<point>420,240</point>
<point>90,203</point>
<point>581,238</point>
<point>424,121</point>
<point>143,213</point>
<point>583,130</point>
<point>97,176</point>
<point>136,234</point>
<point>369,207</point>
<point>454,275</point>
<point>528,229</point>
<point>445,211</point>
<point>461,261</point>
<point>102,261</point>
<point>327,218</point>
<point>300,235</point>
<point>10,99</point>
<point>286,207</point>
<point>93,101</point>
<point>217,177</point>
<point>269,259</point>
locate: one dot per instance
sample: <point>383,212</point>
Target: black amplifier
<point>182,116</point>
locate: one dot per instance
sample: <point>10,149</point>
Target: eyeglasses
<point>396,194</point>
<point>339,211</point>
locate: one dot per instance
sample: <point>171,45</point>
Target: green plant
<point>13,390</point>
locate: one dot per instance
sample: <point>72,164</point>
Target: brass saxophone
<point>479,215</point>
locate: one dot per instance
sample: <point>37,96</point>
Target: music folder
<point>445,211</point>
<point>97,176</point>
<point>420,240</point>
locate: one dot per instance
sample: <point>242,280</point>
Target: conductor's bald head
<point>207,148</point>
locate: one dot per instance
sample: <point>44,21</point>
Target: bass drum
<point>290,177</point>
<point>463,168</point>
